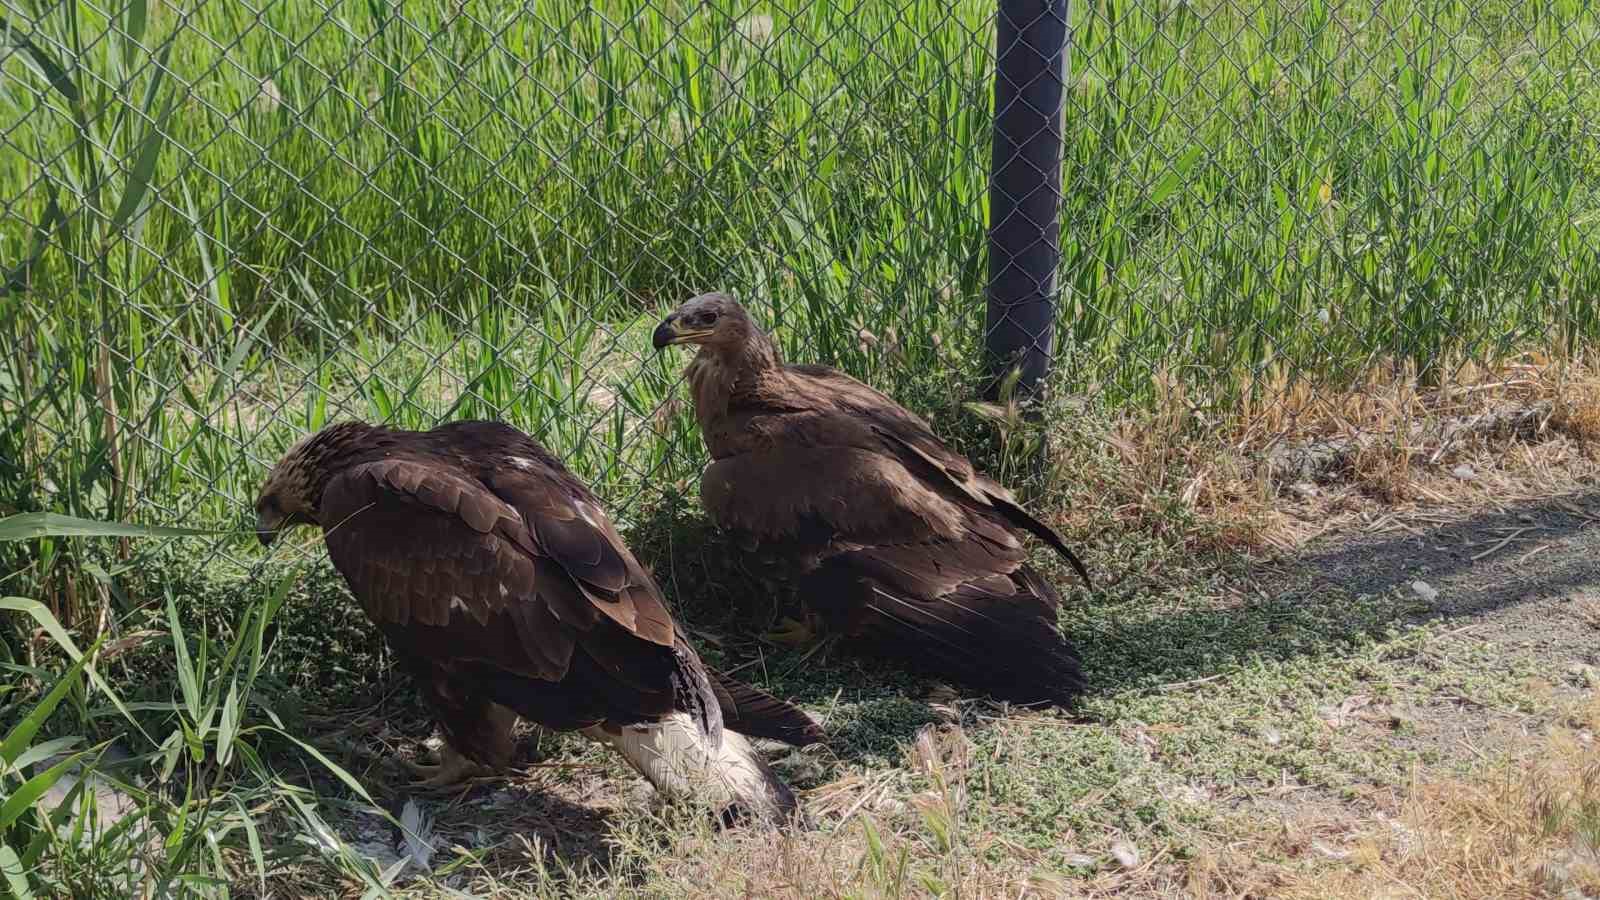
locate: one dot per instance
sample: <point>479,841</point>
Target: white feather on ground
<point>416,836</point>
<point>414,850</point>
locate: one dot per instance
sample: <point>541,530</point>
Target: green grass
<point>442,211</point>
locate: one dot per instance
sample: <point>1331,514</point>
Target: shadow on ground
<point>1169,623</point>
<point>1526,552</point>
<point>1345,589</point>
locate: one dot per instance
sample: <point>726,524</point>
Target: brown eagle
<point>897,543</point>
<point>501,585</point>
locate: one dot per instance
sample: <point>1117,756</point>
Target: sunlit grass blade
<point>18,740</point>
<point>142,168</point>
<point>29,526</point>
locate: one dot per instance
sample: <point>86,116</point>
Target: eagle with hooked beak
<point>502,586</point>
<point>898,544</point>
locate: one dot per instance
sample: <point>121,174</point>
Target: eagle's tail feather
<point>681,760</point>
<point>758,714</point>
<point>998,633</point>
<point>1025,520</point>
<point>1017,658</point>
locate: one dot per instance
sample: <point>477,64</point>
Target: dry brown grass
<point>1589,612</point>
<point>1488,436</point>
<point>1522,827</point>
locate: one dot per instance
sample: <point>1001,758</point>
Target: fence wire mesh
<point>225,224</point>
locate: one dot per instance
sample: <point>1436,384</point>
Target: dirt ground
<point>1519,571</point>
<point>1520,583</point>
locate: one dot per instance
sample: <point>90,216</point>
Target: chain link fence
<point>225,224</point>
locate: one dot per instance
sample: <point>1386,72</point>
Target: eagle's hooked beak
<point>670,332</point>
<point>268,523</point>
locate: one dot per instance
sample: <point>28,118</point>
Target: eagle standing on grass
<point>503,588</point>
<point>899,545</point>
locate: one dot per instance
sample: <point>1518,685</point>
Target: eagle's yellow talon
<point>792,633</point>
<point>452,770</point>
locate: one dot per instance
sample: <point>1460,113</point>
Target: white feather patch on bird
<point>523,463</point>
<point>682,761</point>
<point>457,603</point>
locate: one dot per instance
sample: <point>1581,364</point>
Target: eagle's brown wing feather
<point>822,408</point>
<point>859,495</point>
<point>518,586</point>
<point>577,534</point>
<point>901,543</point>
<point>454,574</point>
<point>979,488</point>
<point>872,412</point>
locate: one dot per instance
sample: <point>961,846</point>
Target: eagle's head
<point>715,321</point>
<point>292,494</point>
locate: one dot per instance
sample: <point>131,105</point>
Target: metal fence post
<point>1025,189</point>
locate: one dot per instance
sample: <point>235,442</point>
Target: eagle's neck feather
<point>719,374</point>
<point>333,449</point>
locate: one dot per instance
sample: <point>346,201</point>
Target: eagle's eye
<point>703,319</point>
